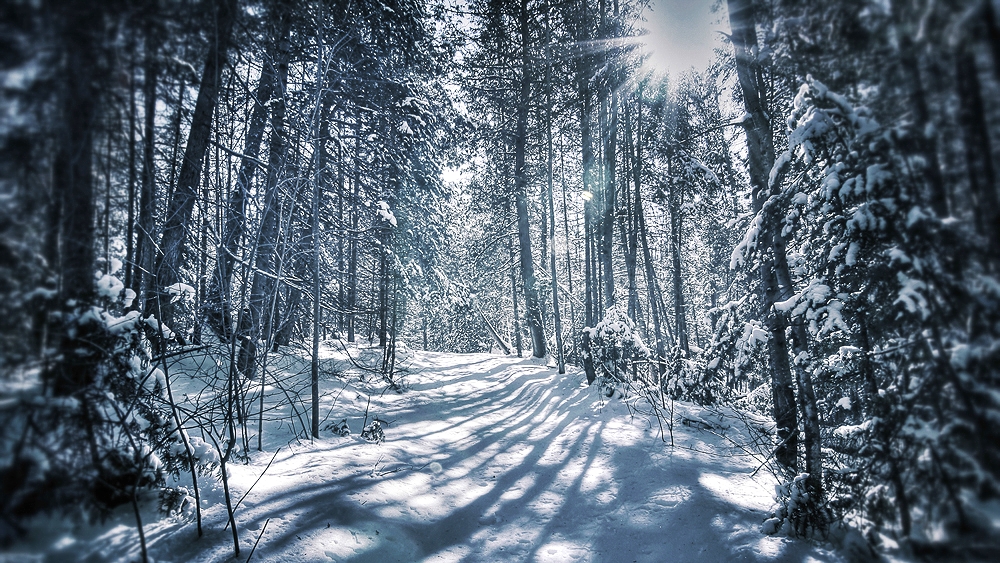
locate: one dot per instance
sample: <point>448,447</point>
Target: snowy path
<point>533,467</point>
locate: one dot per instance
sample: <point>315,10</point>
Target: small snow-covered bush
<point>373,432</point>
<point>796,514</point>
<point>615,345</point>
<point>339,428</point>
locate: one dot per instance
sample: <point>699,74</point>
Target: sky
<point>683,33</point>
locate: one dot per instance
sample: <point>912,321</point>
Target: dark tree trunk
<point>629,221</point>
<point>760,154</point>
<point>608,199</point>
<point>680,319</point>
<point>352,255</point>
<point>978,149</point>
<point>518,343</point>
<point>264,283</point>
<point>80,34</point>
<point>178,214</point>
<point>652,287</point>
<point>550,157</point>
<point>132,172</point>
<point>218,310</point>
<point>924,142</point>
<point>584,68</point>
<point>146,251</point>
<point>533,311</point>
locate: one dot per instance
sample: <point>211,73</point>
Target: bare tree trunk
<point>80,36</point>
<point>923,139</point>
<point>264,285</point>
<point>680,319</point>
<point>132,171</point>
<point>760,152</point>
<point>978,149</point>
<point>518,344</point>
<point>550,157</point>
<point>146,253</point>
<point>629,220</point>
<point>652,287</point>
<point>179,211</point>
<point>533,311</point>
<point>583,76</point>
<point>317,192</point>
<point>608,201</point>
<point>218,309</point>
<point>352,262</point>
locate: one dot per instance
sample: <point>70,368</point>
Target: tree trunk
<point>629,221</point>
<point>978,150</point>
<point>352,261</point>
<point>146,251</point>
<point>218,309</point>
<point>583,75</point>
<point>533,311</point>
<point>132,172</point>
<point>317,192</point>
<point>81,38</point>
<point>608,200</point>
<point>924,141</point>
<point>760,155</point>
<point>680,319</point>
<point>178,215</point>
<point>550,157</point>
<point>518,344</point>
<point>264,285</point>
<point>652,287</point>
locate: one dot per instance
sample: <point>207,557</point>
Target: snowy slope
<point>487,458</point>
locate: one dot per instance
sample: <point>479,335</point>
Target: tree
<point>760,156</point>
<point>175,228</point>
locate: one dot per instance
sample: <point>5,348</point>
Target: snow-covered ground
<point>487,458</point>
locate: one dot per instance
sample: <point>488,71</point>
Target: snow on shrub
<point>616,345</point>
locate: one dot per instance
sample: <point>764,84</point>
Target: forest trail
<point>491,458</point>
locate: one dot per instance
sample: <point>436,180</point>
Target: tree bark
<point>652,287</point>
<point>924,142</point>
<point>680,319</point>
<point>317,192</point>
<point>81,38</point>
<point>978,149</point>
<point>146,251</point>
<point>352,261</point>
<point>608,199</point>
<point>218,310</point>
<point>178,215</point>
<point>583,75</point>
<point>550,157</point>
<point>533,311</point>
<point>263,287</point>
<point>760,155</point>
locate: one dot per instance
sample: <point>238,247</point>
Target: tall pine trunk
<point>145,251</point>
<point>80,39</point>
<point>533,311</point>
<point>178,215</point>
<point>263,285</point>
<point>218,310</point>
<point>760,153</point>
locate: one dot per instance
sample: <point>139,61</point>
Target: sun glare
<point>680,35</point>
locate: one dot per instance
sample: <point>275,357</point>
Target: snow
<point>180,290</point>
<point>486,458</point>
<point>911,295</point>
<point>109,286</point>
<point>385,213</point>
